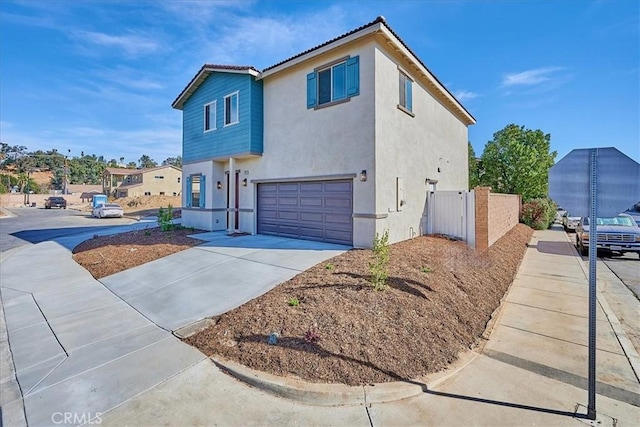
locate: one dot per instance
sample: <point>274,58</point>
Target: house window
<point>333,83</point>
<point>162,193</point>
<point>231,109</point>
<point>178,182</point>
<point>210,116</point>
<point>196,193</point>
<point>159,177</point>
<point>406,93</point>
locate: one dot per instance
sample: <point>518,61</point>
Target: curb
<point>627,347</point>
<point>333,394</point>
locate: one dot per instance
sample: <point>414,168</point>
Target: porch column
<point>232,195</point>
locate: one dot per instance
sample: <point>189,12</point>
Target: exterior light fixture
<point>363,175</point>
<point>244,182</point>
<point>219,185</point>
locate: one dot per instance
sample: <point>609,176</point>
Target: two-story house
<point>334,144</point>
<point>161,180</point>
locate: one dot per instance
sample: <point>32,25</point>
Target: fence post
<point>482,217</point>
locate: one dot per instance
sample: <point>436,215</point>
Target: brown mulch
<point>440,297</point>
<point>107,255</point>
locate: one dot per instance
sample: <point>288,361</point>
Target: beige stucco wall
<point>413,148</point>
<point>301,142</point>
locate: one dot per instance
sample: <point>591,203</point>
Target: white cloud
<point>465,95</point>
<point>530,77</point>
<point>132,44</point>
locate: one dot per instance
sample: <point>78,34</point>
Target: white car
<point>104,210</point>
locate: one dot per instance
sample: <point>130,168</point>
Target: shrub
<point>380,265</point>
<point>312,335</point>
<point>293,302</point>
<point>165,218</point>
<point>538,213</point>
<point>329,266</point>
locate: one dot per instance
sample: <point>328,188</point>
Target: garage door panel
<point>338,219</point>
<point>308,187</point>
<point>340,203</point>
<point>288,187</point>
<point>311,216</point>
<point>288,216</point>
<point>319,210</point>
<point>338,186</point>
<point>307,202</point>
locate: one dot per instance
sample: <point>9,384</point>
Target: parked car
<point>615,234</point>
<point>634,212</point>
<point>569,223</point>
<point>104,210</point>
<point>55,202</point>
<point>560,213</point>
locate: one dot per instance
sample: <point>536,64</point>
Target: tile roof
<point>378,20</point>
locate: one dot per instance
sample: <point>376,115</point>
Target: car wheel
<point>584,251</point>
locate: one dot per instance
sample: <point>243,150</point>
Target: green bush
<point>165,219</point>
<point>538,213</point>
<point>379,268</point>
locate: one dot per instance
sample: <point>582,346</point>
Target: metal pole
<point>593,251</point>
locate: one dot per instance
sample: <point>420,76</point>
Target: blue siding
<point>242,137</point>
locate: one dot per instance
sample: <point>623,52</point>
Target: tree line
<point>17,163</point>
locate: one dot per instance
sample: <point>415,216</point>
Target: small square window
<point>231,109</point>
<point>210,116</point>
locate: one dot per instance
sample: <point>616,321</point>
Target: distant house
<point>335,144</point>
<point>163,181</point>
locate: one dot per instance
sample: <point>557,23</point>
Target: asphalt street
<point>35,225</point>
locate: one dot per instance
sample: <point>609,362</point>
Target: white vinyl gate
<point>452,213</point>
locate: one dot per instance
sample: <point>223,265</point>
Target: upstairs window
<point>406,93</point>
<point>231,109</point>
<point>333,83</point>
<point>210,116</point>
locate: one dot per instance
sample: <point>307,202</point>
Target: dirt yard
<point>107,255</point>
<point>333,327</point>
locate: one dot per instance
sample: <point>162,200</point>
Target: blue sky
<point>99,77</point>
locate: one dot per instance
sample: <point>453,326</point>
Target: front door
<point>235,209</point>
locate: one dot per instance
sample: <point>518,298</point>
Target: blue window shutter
<point>188,191</point>
<point>409,86</point>
<point>353,76</point>
<point>203,191</point>
<point>311,90</point>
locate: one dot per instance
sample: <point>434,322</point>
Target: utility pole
<point>66,174</point>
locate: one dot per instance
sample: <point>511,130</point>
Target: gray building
<point>618,182</point>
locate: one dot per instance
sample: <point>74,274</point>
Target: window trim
<point>330,67</point>
<point>215,116</point>
<point>224,118</point>
<point>352,82</point>
<point>408,81</point>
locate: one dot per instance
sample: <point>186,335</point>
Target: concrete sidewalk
<point>533,370</point>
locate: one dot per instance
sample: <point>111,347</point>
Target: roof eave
<point>432,79</point>
<point>315,52</point>
<point>200,77</point>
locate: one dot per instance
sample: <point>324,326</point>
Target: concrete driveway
<point>215,277</point>
<point>80,349</point>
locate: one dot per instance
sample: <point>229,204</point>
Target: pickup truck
<point>58,202</point>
